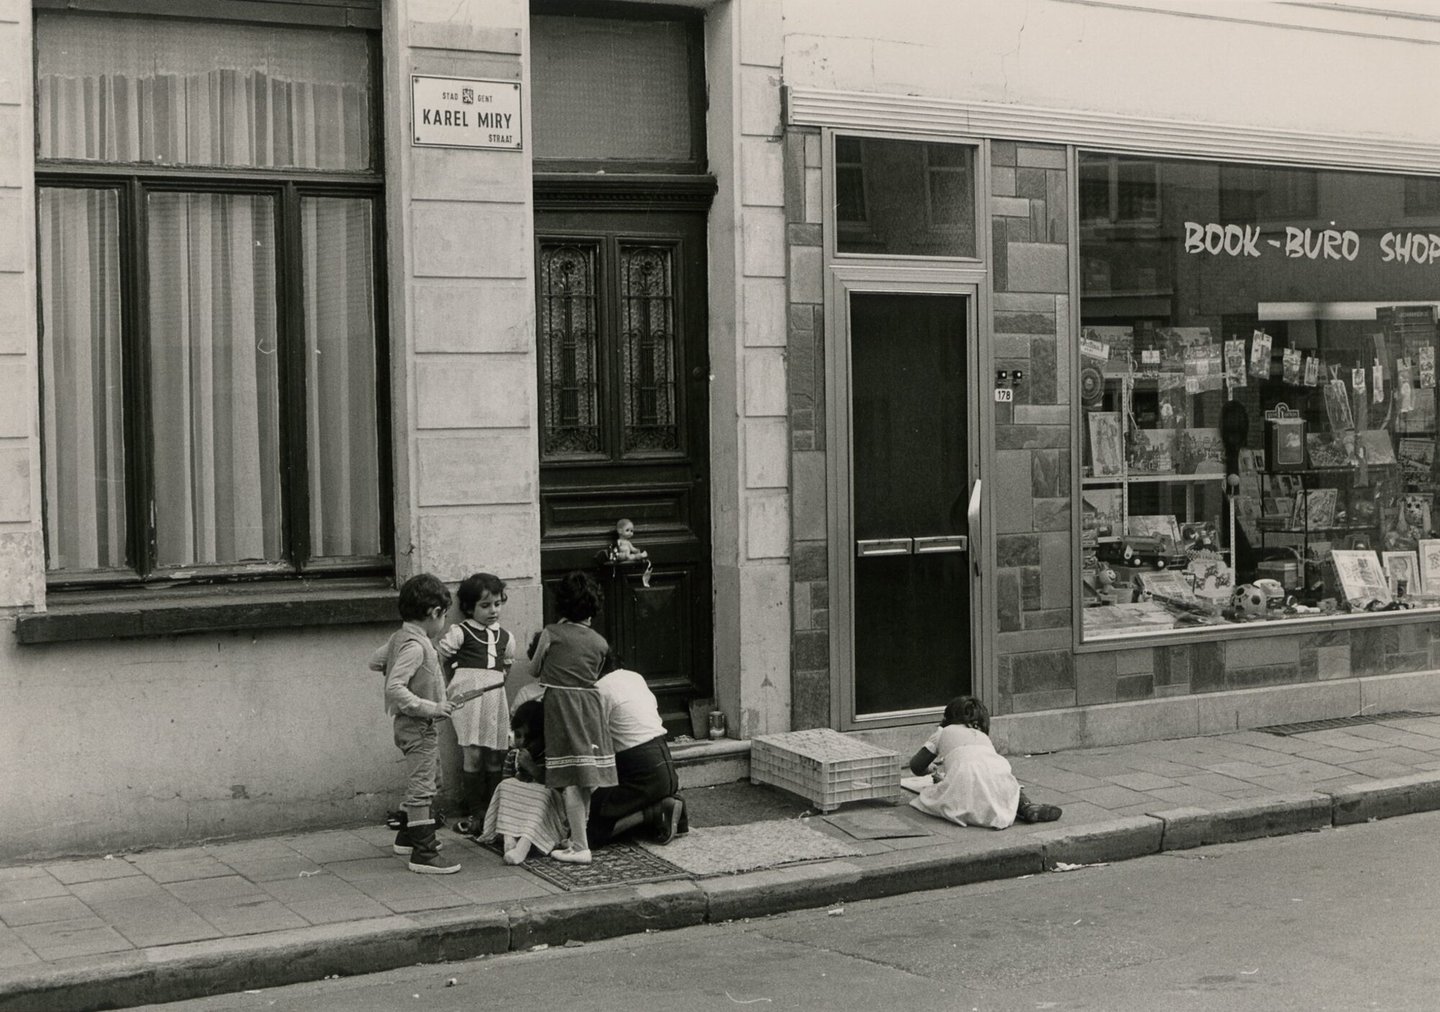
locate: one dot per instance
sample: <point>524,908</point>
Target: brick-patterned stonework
<point>810,598</point>
<point>1031,497</point>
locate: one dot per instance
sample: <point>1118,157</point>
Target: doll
<point>622,549</point>
<point>1412,522</point>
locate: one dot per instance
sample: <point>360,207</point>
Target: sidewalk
<point>169,924</point>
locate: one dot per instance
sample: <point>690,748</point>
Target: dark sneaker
<point>683,826</point>
<point>402,844</point>
<point>1032,812</point>
<point>668,819</point>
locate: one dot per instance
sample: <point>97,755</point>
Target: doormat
<point>876,825</point>
<point>725,850</point>
<point>1340,722</point>
<point>615,864</point>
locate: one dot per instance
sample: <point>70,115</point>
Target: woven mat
<point>722,850</point>
<point>618,863</point>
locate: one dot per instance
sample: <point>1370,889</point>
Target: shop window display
<point>1256,375</point>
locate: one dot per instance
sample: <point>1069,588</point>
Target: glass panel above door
<point>904,198</point>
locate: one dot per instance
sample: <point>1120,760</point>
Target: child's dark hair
<point>473,587</point>
<point>577,596</point>
<point>420,594</point>
<point>967,711</point>
<point>529,719</point>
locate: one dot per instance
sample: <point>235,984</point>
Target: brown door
<point>624,380</point>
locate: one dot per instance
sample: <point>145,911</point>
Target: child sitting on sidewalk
<point>415,697</point>
<point>523,811</point>
<point>974,785</point>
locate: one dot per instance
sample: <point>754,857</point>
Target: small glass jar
<point>717,724</point>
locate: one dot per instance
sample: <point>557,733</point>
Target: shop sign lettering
<point>463,113</point>
<point>1227,240</point>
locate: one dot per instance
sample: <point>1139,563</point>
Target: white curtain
<point>81,362</point>
<point>214,379</point>
<point>337,236</point>
<point>171,92</point>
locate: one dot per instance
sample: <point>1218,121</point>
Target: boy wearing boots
<point>415,698</point>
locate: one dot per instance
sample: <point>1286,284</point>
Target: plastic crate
<point>825,767</point>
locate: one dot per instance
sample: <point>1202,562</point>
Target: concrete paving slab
<point>155,920</point>
<point>248,915</point>
<point>206,889</point>
<point>327,848</point>
<point>79,936</point>
<point>31,887</point>
<point>117,890</point>
<point>51,908</point>
<point>325,899</point>
<point>181,866</point>
<point>70,872</point>
<point>13,951</point>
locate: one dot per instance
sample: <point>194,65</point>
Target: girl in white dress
<point>973,784</point>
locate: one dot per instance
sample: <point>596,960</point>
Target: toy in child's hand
<point>465,697</point>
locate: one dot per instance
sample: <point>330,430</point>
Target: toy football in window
<point>1141,550</point>
<point>1248,601</point>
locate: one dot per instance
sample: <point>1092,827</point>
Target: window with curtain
<point>208,204</point>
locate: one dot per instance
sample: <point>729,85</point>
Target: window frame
<point>287,188</point>
<point>693,21</point>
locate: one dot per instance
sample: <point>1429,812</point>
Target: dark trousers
<point>647,775</point>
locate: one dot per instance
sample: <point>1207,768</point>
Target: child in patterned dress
<point>579,756</point>
<point>477,653</point>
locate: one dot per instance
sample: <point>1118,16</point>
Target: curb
<point>195,969</point>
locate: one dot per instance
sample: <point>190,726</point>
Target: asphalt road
<point>1341,919</point>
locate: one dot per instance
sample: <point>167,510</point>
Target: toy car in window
<point>1141,550</point>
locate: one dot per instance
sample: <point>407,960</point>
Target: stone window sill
<point>137,613</point>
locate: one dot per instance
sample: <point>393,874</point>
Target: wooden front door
<point>624,381</point>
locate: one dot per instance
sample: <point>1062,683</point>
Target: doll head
<point>624,529</point>
<point>967,711</point>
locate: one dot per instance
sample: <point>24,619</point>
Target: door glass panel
<point>647,348</point>
<point>569,344</point>
<point>910,479</point>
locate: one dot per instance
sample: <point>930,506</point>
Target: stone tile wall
<point>810,599</point>
<point>1030,500</point>
<point>22,556</point>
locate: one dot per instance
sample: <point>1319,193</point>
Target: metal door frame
<point>841,281</point>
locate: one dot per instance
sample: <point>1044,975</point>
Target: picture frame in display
<point>1402,572</point>
<point>1361,577</point>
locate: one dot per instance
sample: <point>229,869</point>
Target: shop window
<point>1422,196</point>
<point>1116,190</point>
<point>618,93</point>
<point>212,354</point>
<point>1259,428</point>
<point>925,207</point>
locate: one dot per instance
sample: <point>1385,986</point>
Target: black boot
<point>683,826</point>
<point>400,822</point>
<point>475,802</point>
<point>425,857</point>
<point>1030,811</point>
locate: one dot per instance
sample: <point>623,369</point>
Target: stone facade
<point>1030,497</point>
<point>810,654</point>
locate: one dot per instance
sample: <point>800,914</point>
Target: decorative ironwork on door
<point>569,338</point>
<point>647,348</point>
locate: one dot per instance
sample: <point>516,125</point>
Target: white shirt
<point>630,709</point>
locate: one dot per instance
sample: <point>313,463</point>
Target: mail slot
<point>883,546</point>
